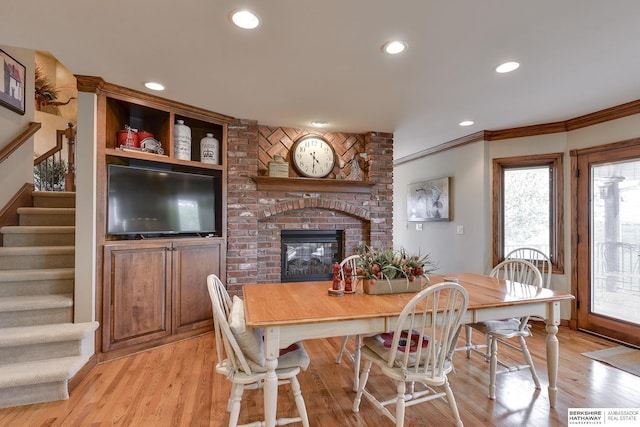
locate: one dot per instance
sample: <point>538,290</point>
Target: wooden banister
<point>58,147</point>
<point>19,140</point>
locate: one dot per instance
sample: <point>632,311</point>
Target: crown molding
<point>601,116</point>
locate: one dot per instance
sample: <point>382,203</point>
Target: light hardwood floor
<point>176,385</point>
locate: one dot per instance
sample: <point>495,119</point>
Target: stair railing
<point>7,150</point>
<point>51,171</point>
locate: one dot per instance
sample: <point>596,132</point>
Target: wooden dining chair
<point>241,359</point>
<point>355,355</point>
<point>540,260</point>
<point>522,278</point>
<point>418,353</point>
<point>537,258</point>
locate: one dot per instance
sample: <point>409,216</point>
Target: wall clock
<point>313,157</point>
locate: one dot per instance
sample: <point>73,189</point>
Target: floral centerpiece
<point>389,265</point>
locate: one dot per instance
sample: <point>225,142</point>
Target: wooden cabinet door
<point>193,261</point>
<point>137,297</point>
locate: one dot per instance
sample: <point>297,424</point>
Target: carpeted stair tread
<point>41,348</point>
<point>53,194</point>
<point>40,371</point>
<point>26,335</point>
<point>38,229</point>
<point>36,250</point>
<point>46,211</point>
<point>36,274</point>
<point>35,302</point>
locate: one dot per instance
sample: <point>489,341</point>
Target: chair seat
<point>380,344</point>
<point>512,324</point>
<point>240,377</point>
<point>397,373</point>
<point>295,357</point>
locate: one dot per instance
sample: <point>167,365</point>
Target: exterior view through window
<point>607,254</point>
<point>615,237</point>
<point>528,206</point>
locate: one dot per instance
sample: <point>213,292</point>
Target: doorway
<point>608,243</point>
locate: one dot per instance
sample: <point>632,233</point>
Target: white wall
<point>469,203</point>
<point>469,167</point>
<point>18,168</point>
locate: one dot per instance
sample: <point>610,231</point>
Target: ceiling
<point>322,60</point>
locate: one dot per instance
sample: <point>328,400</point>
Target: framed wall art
<point>428,200</point>
<point>12,82</point>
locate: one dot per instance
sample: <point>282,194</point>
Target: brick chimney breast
<point>255,218</point>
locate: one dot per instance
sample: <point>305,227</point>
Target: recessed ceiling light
<point>507,67</point>
<point>466,123</point>
<point>245,19</point>
<point>153,86</point>
<point>318,124</point>
<point>394,47</point>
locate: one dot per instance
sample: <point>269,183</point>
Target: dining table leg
<point>553,319</point>
<point>356,362</point>
<point>270,386</point>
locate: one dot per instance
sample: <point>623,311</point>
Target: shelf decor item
<point>209,147</point>
<point>392,271</point>
<point>181,141</point>
<point>279,167</point>
<point>128,137</point>
<point>313,156</point>
<point>151,145</point>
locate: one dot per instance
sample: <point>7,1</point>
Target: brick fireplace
<point>256,216</point>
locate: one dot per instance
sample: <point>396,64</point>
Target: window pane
<point>527,204</point>
<point>615,240</point>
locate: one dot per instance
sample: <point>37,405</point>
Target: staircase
<point>40,346</point>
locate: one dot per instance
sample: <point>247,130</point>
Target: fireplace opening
<point>309,255</point>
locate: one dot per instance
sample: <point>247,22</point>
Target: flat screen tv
<point>146,201</point>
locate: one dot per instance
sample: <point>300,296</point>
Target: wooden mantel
<point>271,183</point>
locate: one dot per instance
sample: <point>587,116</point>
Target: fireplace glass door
<point>309,255</point>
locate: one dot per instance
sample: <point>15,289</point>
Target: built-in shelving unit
<point>152,290</point>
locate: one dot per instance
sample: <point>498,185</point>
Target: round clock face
<point>313,157</point>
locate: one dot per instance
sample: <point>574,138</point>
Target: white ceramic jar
<point>181,141</point>
<point>209,147</point>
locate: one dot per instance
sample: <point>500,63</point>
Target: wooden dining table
<point>295,311</point>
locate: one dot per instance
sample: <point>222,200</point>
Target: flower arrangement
<point>392,264</point>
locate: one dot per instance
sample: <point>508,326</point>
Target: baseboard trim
<point>75,381</point>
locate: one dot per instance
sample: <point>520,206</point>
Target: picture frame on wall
<point>428,200</point>
<point>12,83</point>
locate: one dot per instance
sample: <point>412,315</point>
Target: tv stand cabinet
<point>155,291</point>
<point>152,291</point>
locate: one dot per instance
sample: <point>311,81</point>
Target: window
<point>528,206</point>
